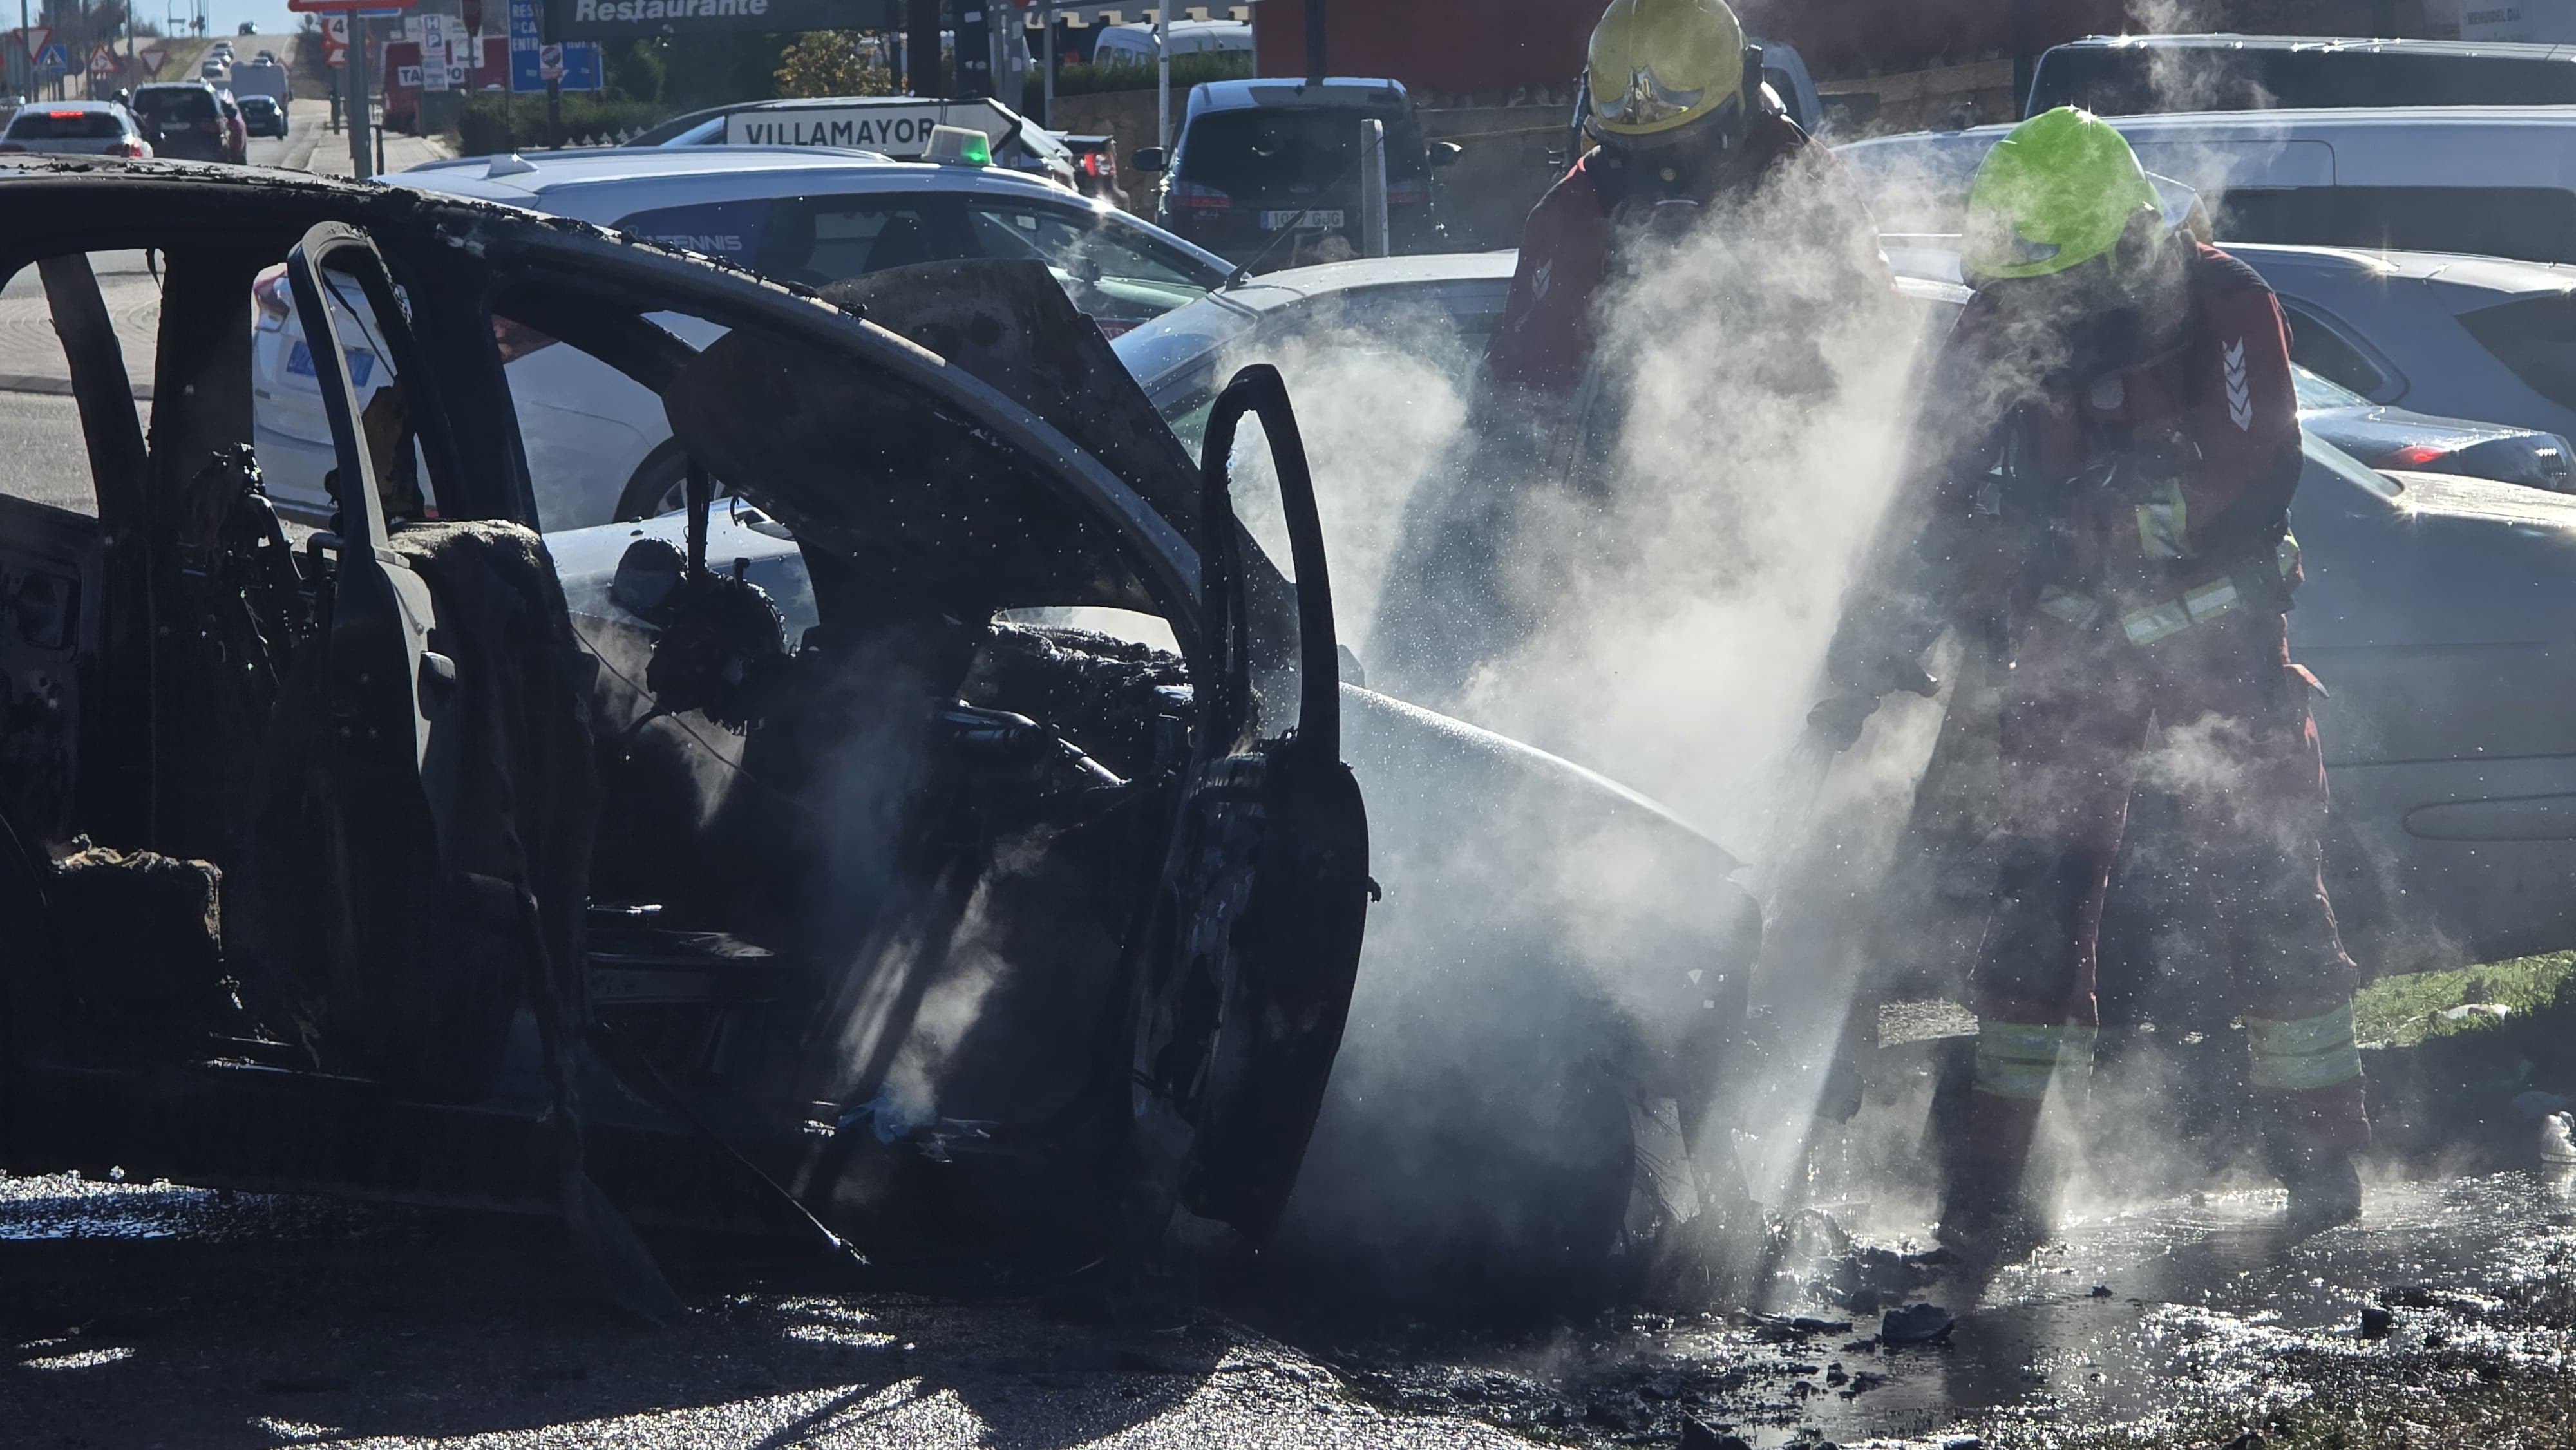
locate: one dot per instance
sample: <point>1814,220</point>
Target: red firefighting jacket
<point>1540,349</point>
<point>2161,471</point>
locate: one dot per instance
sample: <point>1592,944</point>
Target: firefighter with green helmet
<point>2100,492</point>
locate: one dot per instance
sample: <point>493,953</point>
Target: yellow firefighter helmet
<point>1659,65</point>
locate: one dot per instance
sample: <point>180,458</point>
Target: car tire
<point>655,486</point>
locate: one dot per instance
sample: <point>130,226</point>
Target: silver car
<point>2436,610</point>
<point>76,128</point>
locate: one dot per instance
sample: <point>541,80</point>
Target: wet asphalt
<point>140,1316</point>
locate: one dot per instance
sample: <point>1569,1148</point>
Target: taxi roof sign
<point>959,146</point>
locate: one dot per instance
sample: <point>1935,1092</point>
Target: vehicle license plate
<point>362,365</point>
<point>1272,221</point>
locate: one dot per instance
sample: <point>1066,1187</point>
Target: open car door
<point>1266,897</point>
<point>387,743</point>
<point>1245,974</point>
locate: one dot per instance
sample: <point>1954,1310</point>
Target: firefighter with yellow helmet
<point>1688,142</point>
<point>2101,492</point>
<point>1675,102</point>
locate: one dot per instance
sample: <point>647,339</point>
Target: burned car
<point>942,925</point>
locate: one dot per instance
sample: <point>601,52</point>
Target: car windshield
<point>1169,344</point>
<point>1276,147</point>
<point>2318,392</point>
<point>65,126</point>
<point>178,103</point>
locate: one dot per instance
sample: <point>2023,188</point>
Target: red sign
<point>151,58</point>
<point>103,61</point>
<point>37,38</point>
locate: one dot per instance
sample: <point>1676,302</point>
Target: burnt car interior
<point>359,861</point>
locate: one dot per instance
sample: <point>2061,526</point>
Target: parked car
<point>604,449</point>
<point>2483,180</point>
<point>2437,611</point>
<point>1267,173</point>
<point>994,937</point>
<point>2465,338</point>
<point>184,120</point>
<point>2132,75</point>
<point>81,128</point>
<point>262,116</point>
<point>2388,438</point>
<point>895,126</point>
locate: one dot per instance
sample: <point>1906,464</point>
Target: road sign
<point>55,59</point>
<point>37,38</point>
<point>344,7</point>
<point>103,61</point>
<point>151,58</point>
<point>550,65</point>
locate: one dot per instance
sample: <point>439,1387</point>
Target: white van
<point>1134,44</point>
<point>2491,180</point>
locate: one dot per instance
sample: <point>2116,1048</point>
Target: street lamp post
<point>1163,81</point>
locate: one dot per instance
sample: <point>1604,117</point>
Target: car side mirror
<point>1151,160</point>
<point>1446,153</point>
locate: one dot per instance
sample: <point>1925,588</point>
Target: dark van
<point>1267,173</point>
<point>182,120</point>
<point>2145,75</point>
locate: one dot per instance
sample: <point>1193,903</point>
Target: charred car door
<point>1266,897</point>
<point>1252,950</point>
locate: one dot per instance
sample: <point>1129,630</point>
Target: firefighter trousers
<point>2218,716</point>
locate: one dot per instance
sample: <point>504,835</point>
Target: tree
<point>834,63</point>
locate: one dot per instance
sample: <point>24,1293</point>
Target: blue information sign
<point>581,68</point>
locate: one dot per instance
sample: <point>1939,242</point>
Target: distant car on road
<point>798,214</point>
<point>236,129</point>
<point>1268,172</point>
<point>78,128</point>
<point>184,120</point>
<point>262,116</point>
<point>262,78</point>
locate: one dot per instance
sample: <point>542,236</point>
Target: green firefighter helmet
<point>2059,191</point>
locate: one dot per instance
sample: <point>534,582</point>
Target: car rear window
<point>1276,147</point>
<point>2536,337</point>
<point>181,103</point>
<point>39,125</point>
